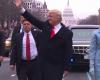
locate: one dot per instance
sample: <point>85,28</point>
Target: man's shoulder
<point>67,31</point>
<point>66,28</point>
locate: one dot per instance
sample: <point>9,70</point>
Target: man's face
<point>27,26</point>
<point>53,18</point>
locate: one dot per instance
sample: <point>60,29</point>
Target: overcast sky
<point>81,8</point>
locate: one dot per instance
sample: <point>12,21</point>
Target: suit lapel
<point>21,36</point>
<point>20,46</point>
<point>34,34</point>
<point>59,32</point>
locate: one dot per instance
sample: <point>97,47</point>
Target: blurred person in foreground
<point>56,43</point>
<point>24,55</point>
<point>94,55</point>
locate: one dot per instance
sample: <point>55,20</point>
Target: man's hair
<point>57,12</point>
<point>24,20</point>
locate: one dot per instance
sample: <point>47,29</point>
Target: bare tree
<point>8,11</point>
<point>89,20</point>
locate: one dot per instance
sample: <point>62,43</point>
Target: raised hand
<point>18,3</point>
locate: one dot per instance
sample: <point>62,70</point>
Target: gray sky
<point>81,8</point>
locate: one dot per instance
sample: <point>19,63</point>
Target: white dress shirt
<point>57,28</point>
<point>33,48</point>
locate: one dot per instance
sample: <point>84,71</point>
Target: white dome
<point>68,17</point>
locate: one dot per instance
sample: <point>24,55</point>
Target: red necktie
<point>27,48</point>
<point>52,33</point>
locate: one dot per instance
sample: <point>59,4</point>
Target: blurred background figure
<point>16,30</point>
<point>2,45</point>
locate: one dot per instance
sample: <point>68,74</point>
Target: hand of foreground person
<point>91,65</point>
<point>91,71</point>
